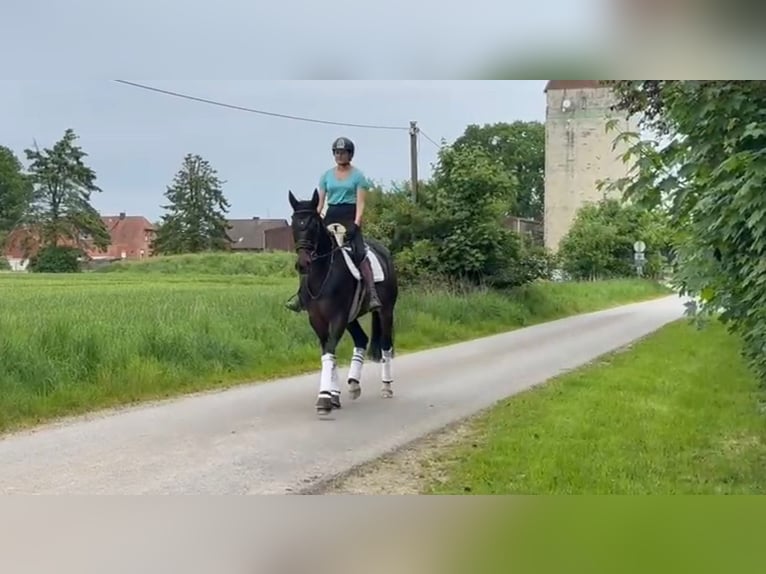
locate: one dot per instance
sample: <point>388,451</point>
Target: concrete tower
<point>578,150</point>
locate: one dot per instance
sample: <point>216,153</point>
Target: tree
<point>455,232</point>
<point>600,242</point>
<point>472,189</point>
<point>520,147</point>
<point>15,192</point>
<point>460,220</point>
<point>394,219</point>
<point>710,172</point>
<point>196,218</point>
<point>60,204</point>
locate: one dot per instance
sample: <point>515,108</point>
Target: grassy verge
<point>272,264</point>
<point>71,344</point>
<point>677,414</point>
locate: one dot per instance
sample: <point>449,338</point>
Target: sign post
<point>639,257</point>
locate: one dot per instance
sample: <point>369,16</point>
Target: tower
<point>578,151</point>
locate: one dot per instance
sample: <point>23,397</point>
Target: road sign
<point>639,258</point>
<point>639,247</point>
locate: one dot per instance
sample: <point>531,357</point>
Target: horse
<point>335,297</point>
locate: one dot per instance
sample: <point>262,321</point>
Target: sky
<point>62,52</point>
<point>136,139</point>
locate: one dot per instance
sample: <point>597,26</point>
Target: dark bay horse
<point>335,297</point>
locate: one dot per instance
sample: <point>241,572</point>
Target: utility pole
<point>414,160</point>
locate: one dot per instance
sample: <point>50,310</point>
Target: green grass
<point>74,343</point>
<point>677,414</point>
<point>272,264</point>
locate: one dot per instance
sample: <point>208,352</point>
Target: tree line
<point>456,231</point>
<point>53,196</point>
<point>52,200</point>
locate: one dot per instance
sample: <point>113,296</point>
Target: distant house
<point>20,244</point>
<point>257,234</point>
<point>131,236</point>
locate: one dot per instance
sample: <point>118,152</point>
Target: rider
<point>344,188</point>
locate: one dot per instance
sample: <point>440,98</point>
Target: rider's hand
<point>351,231</point>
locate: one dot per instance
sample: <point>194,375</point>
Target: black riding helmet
<point>344,144</point>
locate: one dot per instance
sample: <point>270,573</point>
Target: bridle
<point>310,247</point>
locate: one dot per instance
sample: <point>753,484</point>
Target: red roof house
<point>131,236</point>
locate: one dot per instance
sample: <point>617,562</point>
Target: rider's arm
<point>322,193</point>
<point>361,195</point>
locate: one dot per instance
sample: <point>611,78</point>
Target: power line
<point>413,129</point>
<point>255,111</point>
<point>425,135</point>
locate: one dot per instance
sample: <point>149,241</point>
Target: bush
<point>600,243</point>
<point>534,262</point>
<point>4,265</point>
<point>417,263</point>
<point>56,259</point>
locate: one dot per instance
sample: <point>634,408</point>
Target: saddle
<point>338,231</point>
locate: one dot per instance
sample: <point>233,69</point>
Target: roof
<point>572,84</point>
<point>250,233</point>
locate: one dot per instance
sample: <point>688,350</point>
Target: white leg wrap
<point>334,379</point>
<point>357,360</point>
<point>386,367</point>
<point>328,366</point>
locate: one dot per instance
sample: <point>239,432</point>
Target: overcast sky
<point>136,139</point>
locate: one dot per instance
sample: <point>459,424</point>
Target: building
<point>257,234</point>
<point>525,227</point>
<point>131,237</point>
<point>578,151</point>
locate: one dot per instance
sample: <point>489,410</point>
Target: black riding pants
<point>345,213</point>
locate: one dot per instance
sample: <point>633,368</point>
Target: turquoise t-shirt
<point>342,191</point>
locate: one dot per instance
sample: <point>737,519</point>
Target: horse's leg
<point>329,390</point>
<point>322,330</point>
<point>387,350</point>
<point>357,359</point>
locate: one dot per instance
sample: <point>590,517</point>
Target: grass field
<point>74,343</point>
<point>677,414</point>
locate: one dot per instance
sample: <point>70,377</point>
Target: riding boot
<point>369,281</point>
<point>296,305</point>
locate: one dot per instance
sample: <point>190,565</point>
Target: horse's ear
<point>293,201</point>
<point>315,198</point>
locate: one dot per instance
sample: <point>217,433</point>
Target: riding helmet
<point>344,144</point>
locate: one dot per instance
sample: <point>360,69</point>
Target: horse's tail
<point>376,353</point>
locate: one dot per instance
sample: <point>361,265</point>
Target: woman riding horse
<point>344,187</point>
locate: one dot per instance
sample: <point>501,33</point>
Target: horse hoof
<point>335,400</point>
<point>386,391</point>
<point>324,404</point>
<point>354,389</point>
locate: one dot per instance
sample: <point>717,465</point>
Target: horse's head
<point>308,229</point>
